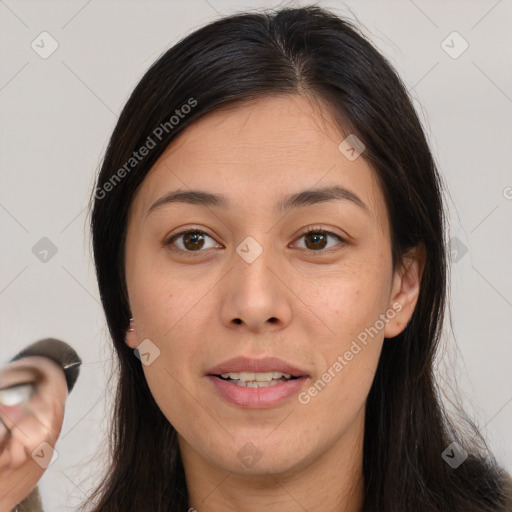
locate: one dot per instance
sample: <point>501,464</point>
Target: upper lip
<point>266,364</point>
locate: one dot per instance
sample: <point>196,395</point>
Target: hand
<point>34,387</point>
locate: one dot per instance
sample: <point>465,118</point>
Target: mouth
<point>257,383</point>
<point>246,369</point>
<point>256,380</point>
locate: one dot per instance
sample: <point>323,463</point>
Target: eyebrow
<point>292,201</point>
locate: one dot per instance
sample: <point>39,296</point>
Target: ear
<point>405,290</point>
<point>32,399</point>
<point>131,336</point>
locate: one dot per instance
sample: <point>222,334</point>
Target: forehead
<point>255,152</point>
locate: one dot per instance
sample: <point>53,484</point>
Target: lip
<point>246,364</point>
<point>257,398</point>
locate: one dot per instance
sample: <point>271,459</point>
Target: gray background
<point>57,115</point>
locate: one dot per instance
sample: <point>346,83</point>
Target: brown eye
<point>194,241</point>
<point>191,241</point>
<point>317,239</point>
<point>17,394</point>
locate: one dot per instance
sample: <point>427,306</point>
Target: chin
<point>259,457</point>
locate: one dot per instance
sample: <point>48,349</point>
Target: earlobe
<point>406,289</point>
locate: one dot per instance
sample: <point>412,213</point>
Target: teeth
<point>257,377</point>
<point>256,384</point>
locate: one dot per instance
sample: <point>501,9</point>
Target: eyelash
<point>169,241</point>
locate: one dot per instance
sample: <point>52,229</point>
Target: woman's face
<point>247,282</point>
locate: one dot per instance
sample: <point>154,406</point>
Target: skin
<point>38,420</point>
<point>255,153</point>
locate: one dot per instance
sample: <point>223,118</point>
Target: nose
<point>255,293</point>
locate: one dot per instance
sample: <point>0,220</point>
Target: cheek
<point>163,294</point>
<point>350,304</point>
<point>169,317</point>
<point>335,398</point>
<point>173,390</point>
<point>347,299</point>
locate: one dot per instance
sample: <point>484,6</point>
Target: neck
<point>333,481</point>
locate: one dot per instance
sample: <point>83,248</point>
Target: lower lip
<point>257,398</point>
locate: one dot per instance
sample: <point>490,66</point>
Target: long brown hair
<point>309,51</point>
